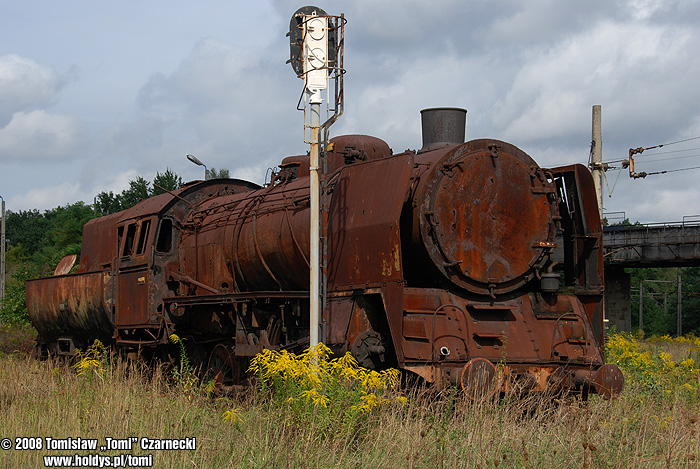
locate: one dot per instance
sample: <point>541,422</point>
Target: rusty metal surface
<point>363,227</point>
<point>583,241</point>
<point>132,292</point>
<point>442,127</point>
<point>99,246</point>
<point>71,304</point>
<point>584,227</point>
<point>338,316</point>
<point>609,381</point>
<point>201,190</point>
<point>513,329</point>
<point>486,216</point>
<point>252,241</point>
<point>545,343</point>
<point>348,149</point>
<point>65,265</point>
<point>479,379</point>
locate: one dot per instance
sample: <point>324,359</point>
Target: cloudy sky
<point>95,93</point>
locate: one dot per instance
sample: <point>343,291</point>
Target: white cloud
<point>53,196</point>
<point>24,84</point>
<point>112,182</point>
<point>39,135</point>
<point>644,9</point>
<point>70,192</point>
<point>611,64</point>
<point>224,103</point>
<point>662,203</point>
<point>256,172</point>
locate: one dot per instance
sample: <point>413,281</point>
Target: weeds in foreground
<point>336,392</point>
<point>16,339</point>
<point>91,362</point>
<point>259,428</point>
<point>185,375</point>
<point>663,367</point>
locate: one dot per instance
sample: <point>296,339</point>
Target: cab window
<point>134,238</point>
<point>164,241</point>
<point>143,237</point>
<point>129,241</point>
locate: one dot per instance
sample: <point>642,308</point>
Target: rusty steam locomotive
<point>461,262</point>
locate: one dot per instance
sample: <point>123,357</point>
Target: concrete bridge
<point>652,245</point>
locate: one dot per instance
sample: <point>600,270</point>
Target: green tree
<point>47,238</point>
<point>66,230</point>
<point>14,307</point>
<point>690,299</point>
<point>168,181</point>
<point>213,173</point>
<point>108,202</point>
<point>658,318</point>
<point>26,230</point>
<point>139,189</point>
<point>660,299</point>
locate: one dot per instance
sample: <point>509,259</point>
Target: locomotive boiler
<point>460,262</point>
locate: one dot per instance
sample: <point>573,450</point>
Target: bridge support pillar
<point>617,299</point>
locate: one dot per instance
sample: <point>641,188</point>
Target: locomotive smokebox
<point>443,126</point>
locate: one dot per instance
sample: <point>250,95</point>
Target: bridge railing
<point>660,244</point>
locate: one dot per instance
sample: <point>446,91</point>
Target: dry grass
<point>47,399</point>
<point>16,339</point>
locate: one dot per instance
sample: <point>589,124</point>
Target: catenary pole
<point>597,157</point>
<point>2,254</point>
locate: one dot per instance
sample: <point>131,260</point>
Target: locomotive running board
<point>232,297</point>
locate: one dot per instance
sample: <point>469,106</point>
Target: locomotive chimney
<point>442,126</point>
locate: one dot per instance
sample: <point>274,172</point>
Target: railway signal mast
<point>316,55</point>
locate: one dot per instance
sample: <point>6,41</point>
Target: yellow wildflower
<point>233,416</point>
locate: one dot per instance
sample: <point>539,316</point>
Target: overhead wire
<point>671,171</point>
<point>672,143</point>
<point>676,151</point>
<point>642,149</point>
<point>664,153</point>
<point>669,159</point>
<point>605,175</point>
<point>681,141</point>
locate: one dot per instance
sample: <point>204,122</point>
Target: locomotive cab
<point>133,272</point>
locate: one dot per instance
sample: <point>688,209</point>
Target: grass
<point>16,339</point>
<point>642,428</point>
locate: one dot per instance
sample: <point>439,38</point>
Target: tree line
<point>660,299</point>
<point>140,189</point>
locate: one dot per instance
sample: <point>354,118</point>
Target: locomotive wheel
<point>224,370</point>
